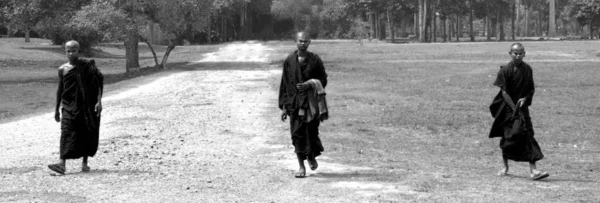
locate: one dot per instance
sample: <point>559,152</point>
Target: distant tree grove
<point>176,22</point>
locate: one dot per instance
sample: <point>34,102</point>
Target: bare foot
<point>85,168</point>
<point>503,172</point>
<point>301,173</point>
<point>313,164</point>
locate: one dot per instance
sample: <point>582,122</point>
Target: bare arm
<point>508,99</point>
<point>59,93</point>
<point>60,89</point>
<point>100,83</point>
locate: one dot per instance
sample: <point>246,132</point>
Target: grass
<point>418,113</point>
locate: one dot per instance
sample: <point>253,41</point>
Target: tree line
<point>176,22</point>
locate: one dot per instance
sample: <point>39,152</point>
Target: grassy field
<point>418,113</point>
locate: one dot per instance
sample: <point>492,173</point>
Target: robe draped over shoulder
<point>80,124</point>
<point>305,135</point>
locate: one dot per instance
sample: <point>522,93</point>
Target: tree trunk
<point>518,17</point>
<point>209,28</point>
<point>27,32</point>
<point>552,19</point>
<point>538,29</point>
<point>471,34</point>
<point>382,33</point>
<point>131,52</point>
<point>489,31</point>
<point>458,28</point>
<point>170,48</point>
<point>432,23</point>
<point>416,24</point>
<point>498,26</point>
<point>390,15</point>
<point>450,28</point>
<point>434,20</point>
<point>443,30</point>
<point>512,20</point>
<point>501,23</point>
<point>153,53</point>
<point>527,11</point>
<point>425,20</point>
<point>590,24</point>
<point>243,22</point>
<point>421,21</point>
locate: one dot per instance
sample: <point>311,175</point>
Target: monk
<point>79,93</point>
<point>303,73</point>
<point>510,109</point>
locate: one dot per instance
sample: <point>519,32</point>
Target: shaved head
<point>72,50</point>
<point>303,36</point>
<point>302,41</point>
<point>517,47</point>
<point>72,43</point>
<point>517,53</point>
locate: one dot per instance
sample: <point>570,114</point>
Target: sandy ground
<point>188,136</point>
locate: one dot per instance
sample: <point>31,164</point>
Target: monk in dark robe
<point>510,109</point>
<point>301,68</point>
<point>79,93</point>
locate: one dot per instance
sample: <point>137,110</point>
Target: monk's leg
<point>504,171</point>
<point>84,164</point>
<point>312,162</point>
<point>301,170</point>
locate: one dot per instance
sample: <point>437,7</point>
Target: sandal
<point>57,168</point>
<point>540,175</point>
<point>300,174</point>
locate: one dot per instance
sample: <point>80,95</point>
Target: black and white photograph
<point>285,101</point>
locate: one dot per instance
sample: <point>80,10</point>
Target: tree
<point>300,11</point>
<point>99,21</point>
<point>57,14</point>
<point>23,15</point>
<point>179,19</point>
<point>587,12</point>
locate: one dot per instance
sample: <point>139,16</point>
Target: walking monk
<point>300,97</point>
<point>79,92</point>
<point>510,109</point>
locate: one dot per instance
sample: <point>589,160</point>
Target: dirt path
<point>193,136</point>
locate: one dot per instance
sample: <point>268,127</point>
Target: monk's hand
<point>57,116</point>
<point>521,102</point>
<point>303,86</point>
<point>283,115</point>
<point>98,108</point>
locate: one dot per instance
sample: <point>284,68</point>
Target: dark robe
<point>516,145</point>
<point>305,136</point>
<point>80,125</point>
